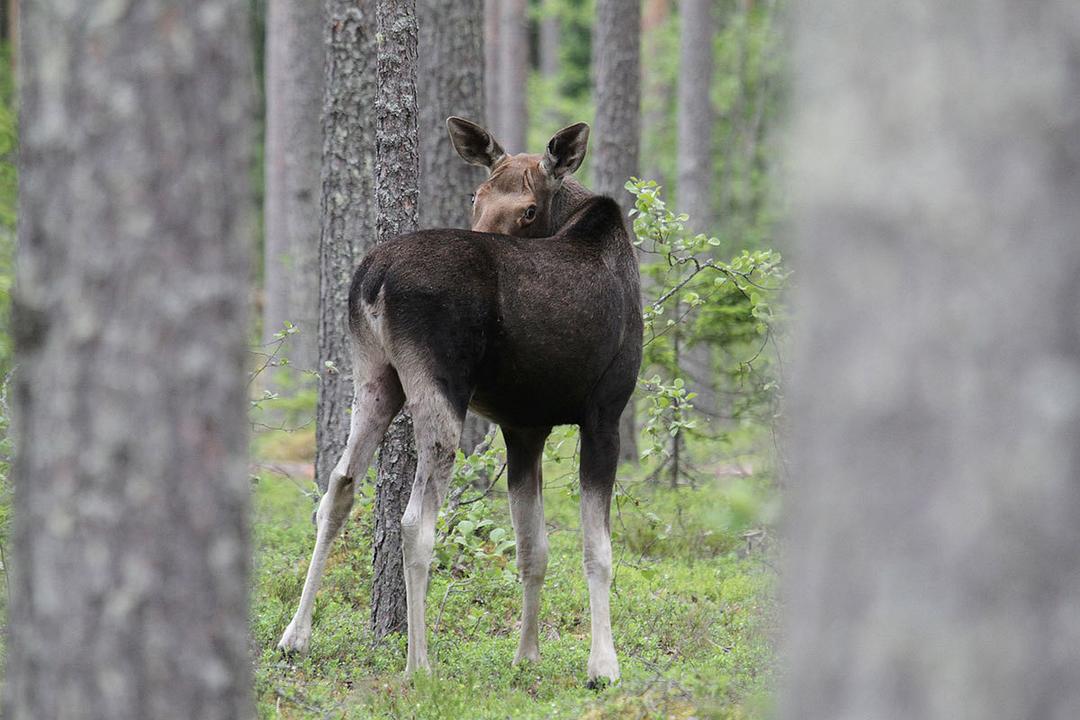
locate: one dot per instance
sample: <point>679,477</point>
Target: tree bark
<point>548,51</point>
<point>656,91</point>
<point>694,159</point>
<point>694,112</point>
<point>513,75</point>
<point>492,85</point>
<point>348,212</point>
<point>934,570</point>
<point>617,131</point>
<point>295,54</point>
<point>130,556</point>
<point>549,41</point>
<point>397,174</point>
<point>450,82</point>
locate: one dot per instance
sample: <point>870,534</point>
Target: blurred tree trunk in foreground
<point>397,176</point>
<point>450,82</point>
<point>934,568</point>
<point>295,54</point>
<point>513,72</point>
<point>617,132</point>
<point>348,211</point>
<point>129,573</point>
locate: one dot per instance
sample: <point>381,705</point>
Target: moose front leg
<point>599,458</point>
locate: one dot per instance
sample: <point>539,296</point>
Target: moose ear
<point>565,151</point>
<point>473,143</point>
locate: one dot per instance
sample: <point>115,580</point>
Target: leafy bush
<point>698,299</point>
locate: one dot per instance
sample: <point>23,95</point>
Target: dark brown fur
<point>528,332</point>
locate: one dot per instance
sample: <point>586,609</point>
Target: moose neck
<point>566,200</point>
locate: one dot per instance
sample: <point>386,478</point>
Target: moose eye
<point>530,212</point>
<point>472,198</point>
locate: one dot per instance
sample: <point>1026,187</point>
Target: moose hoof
<point>420,666</point>
<point>293,642</point>
<point>602,673</point>
<point>531,655</point>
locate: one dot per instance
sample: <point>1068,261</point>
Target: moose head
<point>521,194</point>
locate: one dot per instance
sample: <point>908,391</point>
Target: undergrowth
<point>693,609</point>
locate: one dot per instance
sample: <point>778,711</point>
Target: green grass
<point>693,614</point>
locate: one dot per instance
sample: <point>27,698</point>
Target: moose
<point>532,319</point>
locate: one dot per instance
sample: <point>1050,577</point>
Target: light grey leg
<point>438,430</point>
<point>599,457</point>
<point>525,455</point>
<point>375,404</point>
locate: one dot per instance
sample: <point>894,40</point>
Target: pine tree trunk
<point>397,175</point>
<point>450,82</point>
<point>492,80</point>
<point>694,112</point>
<point>656,91</point>
<point>548,51</point>
<point>617,131</point>
<point>295,55</point>
<point>130,554</point>
<point>513,75</point>
<point>348,212</point>
<point>694,158</point>
<point>934,570</point>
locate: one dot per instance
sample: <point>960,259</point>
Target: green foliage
<point>694,614</point>
<point>733,305</point>
<point>746,97</point>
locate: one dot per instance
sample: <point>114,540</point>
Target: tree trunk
<point>617,134</point>
<point>694,111</point>
<point>548,55</point>
<point>934,570</point>
<point>513,75</point>
<point>129,571</point>
<point>348,224</point>
<point>549,41</point>
<point>694,158</point>
<point>397,174</point>
<point>450,82</point>
<point>295,55</point>
<point>492,95</point>
<point>656,91</point>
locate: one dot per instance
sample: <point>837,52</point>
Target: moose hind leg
<point>438,428</point>
<point>376,402</point>
<point>525,450</point>
<point>599,457</point>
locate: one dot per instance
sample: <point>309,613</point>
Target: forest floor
<point>693,610</point>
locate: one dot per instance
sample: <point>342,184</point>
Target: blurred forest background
<point>698,494</point>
